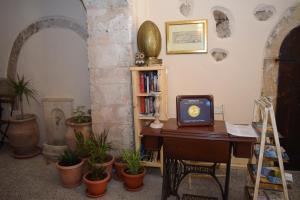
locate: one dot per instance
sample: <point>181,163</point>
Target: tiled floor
<point>34,179</point>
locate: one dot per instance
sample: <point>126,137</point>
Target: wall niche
<point>223,21</point>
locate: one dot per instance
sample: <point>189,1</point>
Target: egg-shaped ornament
<point>149,42</point>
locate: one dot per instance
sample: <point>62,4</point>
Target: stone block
<point>113,114</point>
<point>111,75</point>
<point>110,94</point>
<point>120,135</point>
<point>113,55</point>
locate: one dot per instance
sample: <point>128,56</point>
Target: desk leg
<point>227,179</point>
<point>172,177</point>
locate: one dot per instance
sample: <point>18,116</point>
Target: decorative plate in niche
<point>219,54</point>
<point>185,7</point>
<point>223,20</point>
<point>264,12</point>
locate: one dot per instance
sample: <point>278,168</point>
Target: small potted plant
<point>82,149</point>
<point>96,180</point>
<point>98,148</point>
<point>69,166</point>
<point>23,131</point>
<point>133,173</point>
<point>119,165</point>
<point>81,121</point>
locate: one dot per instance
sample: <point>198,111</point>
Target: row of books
<point>149,82</point>
<point>151,156</point>
<point>147,105</point>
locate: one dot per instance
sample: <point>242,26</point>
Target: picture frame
<point>195,110</point>
<point>186,37</point>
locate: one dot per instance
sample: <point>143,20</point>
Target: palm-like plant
<point>98,147</point>
<point>132,159</point>
<point>22,88</point>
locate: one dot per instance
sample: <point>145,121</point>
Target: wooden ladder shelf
<point>264,107</point>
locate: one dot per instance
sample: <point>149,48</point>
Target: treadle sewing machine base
<point>205,144</point>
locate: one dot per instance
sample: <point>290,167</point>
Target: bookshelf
<point>146,80</point>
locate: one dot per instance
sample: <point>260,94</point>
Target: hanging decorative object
<point>186,7</point>
<point>149,42</point>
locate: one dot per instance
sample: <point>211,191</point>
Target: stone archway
<point>289,21</point>
<point>43,23</point>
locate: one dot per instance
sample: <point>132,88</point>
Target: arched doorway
<point>288,96</point>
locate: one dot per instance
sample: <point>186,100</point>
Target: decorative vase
<point>70,176</point>
<point>24,136</point>
<point>149,40</point>
<point>84,128</point>
<point>96,188</point>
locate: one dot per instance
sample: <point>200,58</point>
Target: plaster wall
<point>237,80</point>
<point>54,59</point>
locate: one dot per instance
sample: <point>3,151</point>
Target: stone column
<point>110,47</point>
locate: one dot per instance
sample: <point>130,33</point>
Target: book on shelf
<point>147,106</point>
<point>148,82</point>
<point>264,194</point>
<point>150,156</point>
<point>270,152</point>
<point>270,175</point>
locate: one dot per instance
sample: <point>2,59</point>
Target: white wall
<point>54,59</point>
<point>235,81</point>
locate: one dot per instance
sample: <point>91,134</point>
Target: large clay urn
<point>24,136</point>
<point>84,128</point>
<point>149,39</point>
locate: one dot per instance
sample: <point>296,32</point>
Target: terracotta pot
<point>133,182</point>
<point>84,128</point>
<point>108,165</point>
<point>96,188</point>
<point>119,166</point>
<point>24,136</point>
<point>70,176</point>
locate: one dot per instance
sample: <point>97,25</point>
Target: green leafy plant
<point>81,145</point>
<point>132,159</point>
<point>96,173</point>
<point>80,115</point>
<point>68,158</point>
<point>98,147</point>
<point>22,88</point>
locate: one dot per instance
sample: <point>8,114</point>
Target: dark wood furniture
<point>205,143</point>
<point>4,124</point>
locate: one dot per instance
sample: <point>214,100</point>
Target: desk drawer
<point>196,150</point>
<point>242,150</point>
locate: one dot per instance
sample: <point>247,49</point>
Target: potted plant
<point>96,180</point>
<point>119,165</point>
<point>81,121</point>
<point>69,166</point>
<point>133,173</point>
<point>82,149</point>
<point>98,148</point>
<point>23,131</point>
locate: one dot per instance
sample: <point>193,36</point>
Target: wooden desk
<point>206,144</point>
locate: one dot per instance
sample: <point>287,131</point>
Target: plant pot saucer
<point>133,189</point>
<point>94,196</point>
<point>35,152</point>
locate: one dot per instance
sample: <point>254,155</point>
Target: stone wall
<point>289,21</point>
<point>109,57</point>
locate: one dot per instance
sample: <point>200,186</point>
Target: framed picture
<point>195,110</point>
<point>188,36</point>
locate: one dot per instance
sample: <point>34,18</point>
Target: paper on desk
<point>240,130</point>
